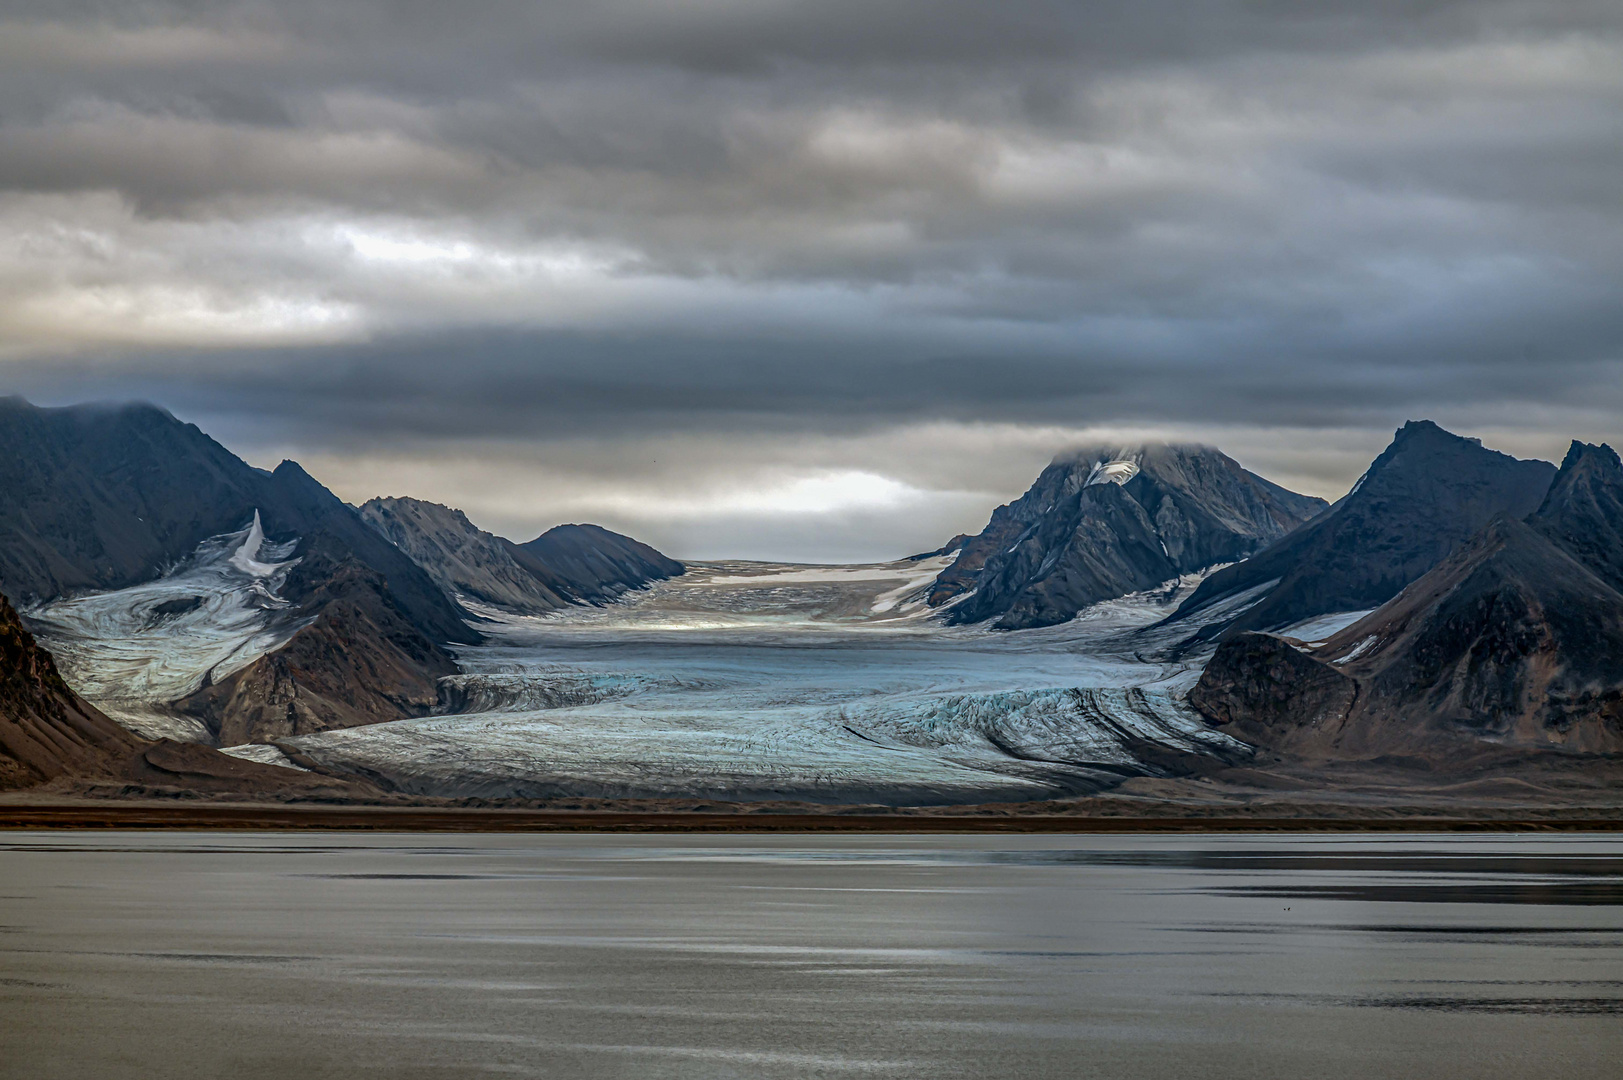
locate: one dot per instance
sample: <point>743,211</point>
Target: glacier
<point>133,651</point>
<point>735,681</point>
<point>752,681</point>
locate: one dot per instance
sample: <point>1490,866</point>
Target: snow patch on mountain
<point>1118,472</point>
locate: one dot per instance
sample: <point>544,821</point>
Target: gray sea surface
<point>299,955</point>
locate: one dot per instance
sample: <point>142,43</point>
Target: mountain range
<point>1457,609</point>
<point>564,565</point>
<point>1427,493</point>
<point>107,497</point>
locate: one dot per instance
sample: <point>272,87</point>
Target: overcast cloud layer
<point>815,281</point>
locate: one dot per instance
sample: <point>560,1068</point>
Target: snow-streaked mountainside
<point>1103,522</point>
<point>1426,494</point>
<point>97,497</point>
<point>131,652</point>
<point>750,681</point>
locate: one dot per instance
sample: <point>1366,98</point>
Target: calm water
<point>291,955</point>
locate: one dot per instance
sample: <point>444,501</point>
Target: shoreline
<point>81,817</point>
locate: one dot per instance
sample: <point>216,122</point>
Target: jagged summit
<point>1426,493</point>
<point>1104,521</point>
<point>1583,511</point>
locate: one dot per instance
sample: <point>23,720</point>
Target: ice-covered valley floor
<point>758,681</point>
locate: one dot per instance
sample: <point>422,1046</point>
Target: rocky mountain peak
<point>462,558</point>
<point>1103,521</point>
<point>1583,511</point>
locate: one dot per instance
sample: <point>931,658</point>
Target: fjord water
<point>300,955</point>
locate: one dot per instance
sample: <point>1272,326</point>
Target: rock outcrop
<point>1427,493</point>
<point>1104,522</point>
<point>1265,691</point>
<point>1513,643</point>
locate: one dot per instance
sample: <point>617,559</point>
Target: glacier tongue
<point>743,681</point>
<point>132,651</point>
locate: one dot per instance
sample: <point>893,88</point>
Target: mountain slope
<point>1425,494</point>
<point>1512,643</point>
<point>358,660</point>
<point>103,497</point>
<point>46,731</point>
<point>1107,521</point>
<point>462,558</point>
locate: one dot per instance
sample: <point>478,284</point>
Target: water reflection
<point>769,956</point>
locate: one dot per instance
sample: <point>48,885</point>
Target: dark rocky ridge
<point>49,734</point>
<point>1424,495</point>
<point>567,564</point>
<point>1513,643</point>
<point>461,557</point>
<point>1079,535</point>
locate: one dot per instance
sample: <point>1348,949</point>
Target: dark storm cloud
<point>339,226</point>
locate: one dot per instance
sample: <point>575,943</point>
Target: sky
<point>814,281</point>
